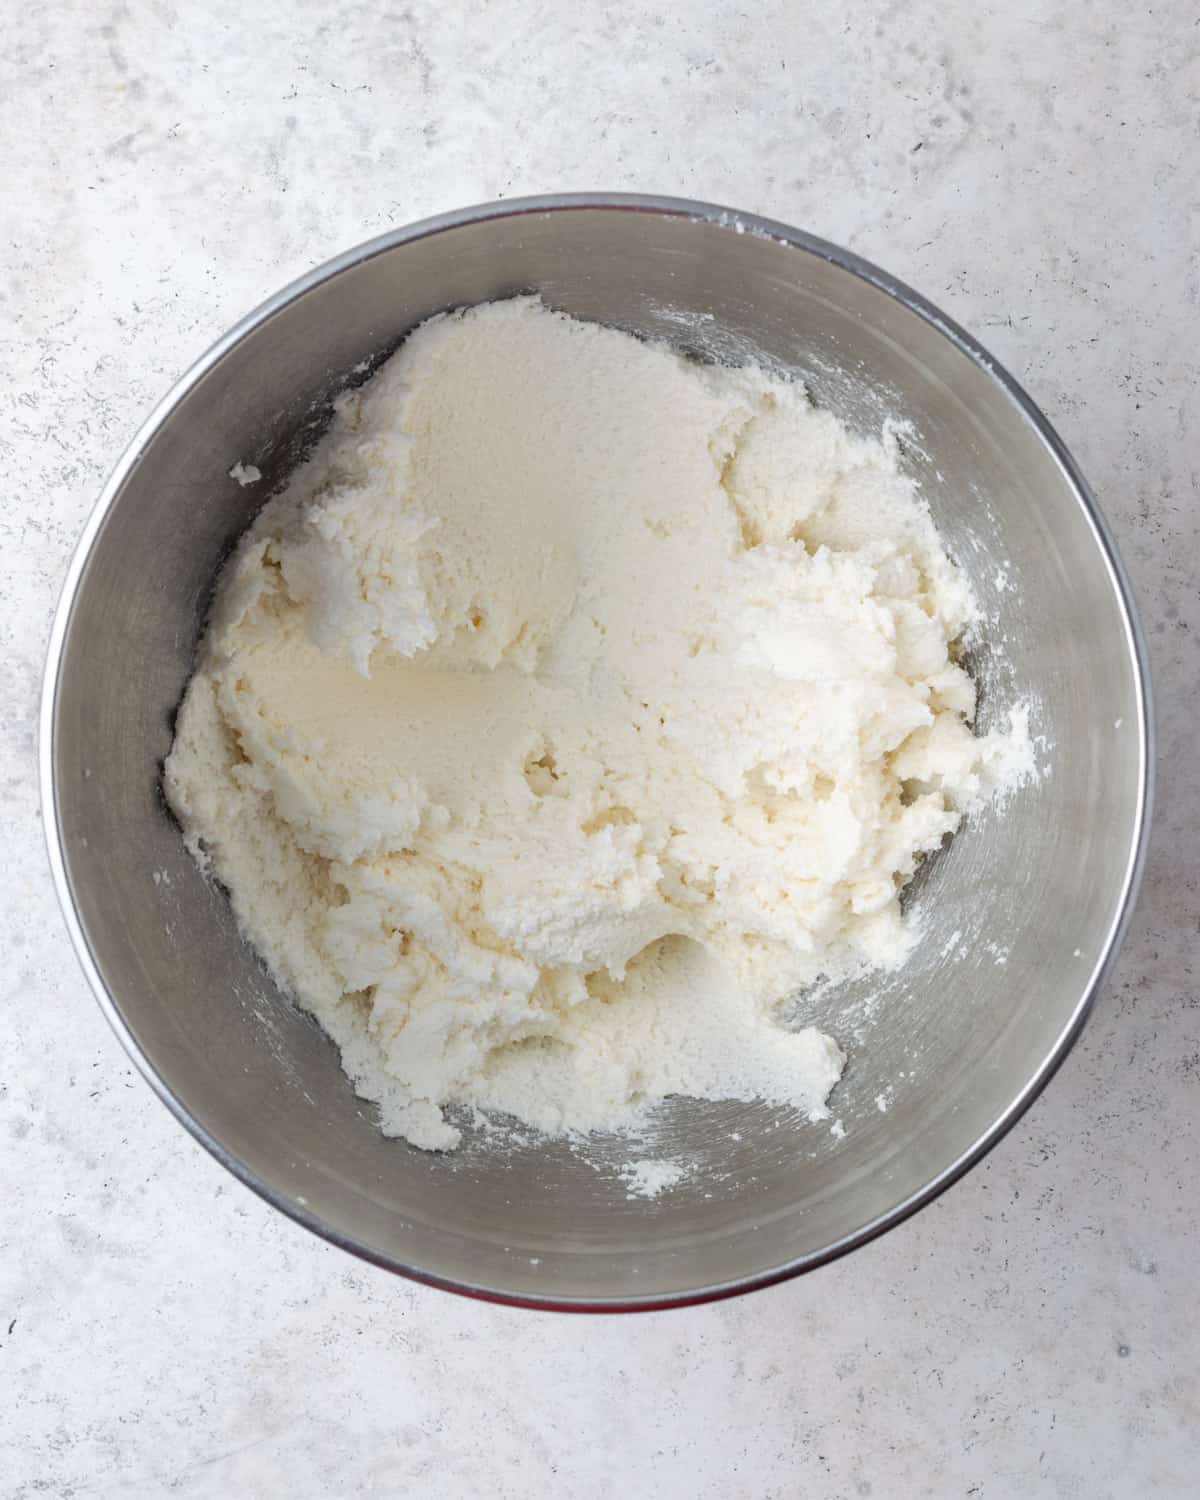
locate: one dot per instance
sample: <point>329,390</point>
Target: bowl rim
<point>733,221</point>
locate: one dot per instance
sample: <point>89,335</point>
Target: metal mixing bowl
<point>1021,913</point>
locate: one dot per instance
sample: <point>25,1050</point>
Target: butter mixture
<point>571,707</point>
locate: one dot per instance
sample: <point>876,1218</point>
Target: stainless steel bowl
<point>1022,912</point>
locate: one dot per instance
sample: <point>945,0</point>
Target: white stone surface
<point>1030,166</point>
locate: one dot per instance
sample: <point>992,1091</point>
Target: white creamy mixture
<point>572,706</point>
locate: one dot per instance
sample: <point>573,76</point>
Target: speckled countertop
<point>1028,165</point>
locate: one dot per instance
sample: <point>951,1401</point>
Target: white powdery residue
<point>882,1103</point>
<point>1012,762</point>
<point>245,474</point>
<point>952,944</point>
<point>732,221</point>
<point>900,436</point>
<point>647,1179</point>
<point>837,1130</point>
<point>728,220</point>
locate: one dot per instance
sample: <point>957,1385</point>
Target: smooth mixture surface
<point>572,706</point>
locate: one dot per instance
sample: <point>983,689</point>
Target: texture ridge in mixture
<point>571,706</point>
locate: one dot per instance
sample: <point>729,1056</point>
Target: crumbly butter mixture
<point>571,706</point>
